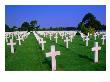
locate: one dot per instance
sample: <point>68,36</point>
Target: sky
<point>52,15</point>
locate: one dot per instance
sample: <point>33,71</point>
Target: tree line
<point>89,23</point>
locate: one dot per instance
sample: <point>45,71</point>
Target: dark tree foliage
<point>14,28</point>
<point>33,24</point>
<point>7,28</point>
<point>25,26</point>
<point>103,28</point>
<point>91,23</point>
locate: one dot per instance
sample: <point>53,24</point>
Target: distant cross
<point>62,35</point>
<point>52,54</point>
<point>95,49</point>
<point>103,39</point>
<point>19,39</point>
<point>67,40</point>
<point>39,39</point>
<point>44,34</point>
<point>71,37</point>
<point>95,35</point>
<point>12,36</point>
<point>42,43</point>
<point>12,45</point>
<point>87,39</point>
<point>50,36</point>
<point>83,36</point>
<point>65,34</point>
<point>56,37</point>
<point>22,37</point>
<point>6,38</point>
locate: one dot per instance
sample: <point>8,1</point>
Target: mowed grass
<point>27,56</point>
<point>77,57</point>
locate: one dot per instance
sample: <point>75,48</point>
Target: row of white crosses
<point>69,35</point>
<point>39,39</point>
<point>70,38</point>
<point>11,43</point>
<point>53,53</point>
<point>96,48</point>
<point>22,34</point>
<point>84,37</point>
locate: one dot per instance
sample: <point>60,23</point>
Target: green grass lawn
<point>29,56</point>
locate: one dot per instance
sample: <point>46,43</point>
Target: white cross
<point>95,35</point>
<point>53,53</point>
<point>50,36</point>
<point>6,38</point>
<point>22,37</point>
<point>19,39</point>
<point>44,34</point>
<point>42,43</point>
<point>67,40</point>
<point>71,37</point>
<point>56,37</point>
<point>12,36</point>
<point>65,34</point>
<point>12,45</point>
<point>62,35</point>
<point>103,39</point>
<point>87,40</point>
<point>83,36</point>
<point>95,49</point>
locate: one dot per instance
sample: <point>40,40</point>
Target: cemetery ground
<point>78,57</point>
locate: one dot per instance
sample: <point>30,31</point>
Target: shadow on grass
<point>47,61</point>
<point>61,45</point>
<point>86,57</point>
<point>100,68</point>
<point>82,44</point>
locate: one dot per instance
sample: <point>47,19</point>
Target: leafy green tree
<point>84,29</point>
<point>90,21</point>
<point>91,30</point>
